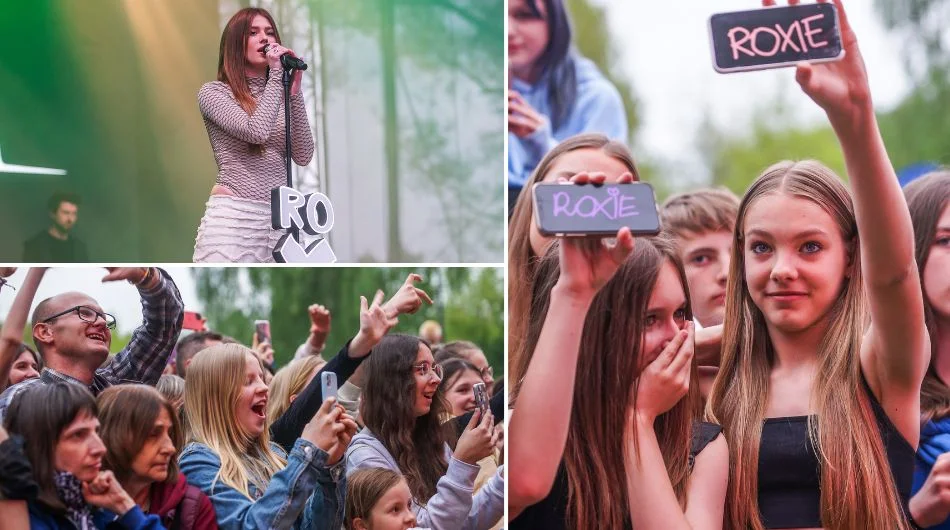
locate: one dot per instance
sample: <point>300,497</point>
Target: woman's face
<point>24,368</point>
<point>251,406</point>
<point>151,463</point>
<point>590,159</point>
<point>936,278</point>
<point>528,36</point>
<point>393,511</point>
<point>260,33</point>
<point>427,381</point>
<point>79,449</point>
<point>459,392</point>
<point>665,315</point>
<point>795,261</point>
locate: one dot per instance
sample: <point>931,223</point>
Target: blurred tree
<point>592,39</point>
<point>469,303</point>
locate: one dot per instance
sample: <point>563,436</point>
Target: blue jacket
<point>597,109</point>
<point>134,519</point>
<point>305,495</point>
<point>934,441</point>
<point>453,507</point>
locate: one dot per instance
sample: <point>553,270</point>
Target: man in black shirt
<point>55,244</point>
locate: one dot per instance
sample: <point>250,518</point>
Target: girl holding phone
<point>825,346</point>
<point>610,380</point>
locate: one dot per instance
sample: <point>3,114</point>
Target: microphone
<point>289,62</point>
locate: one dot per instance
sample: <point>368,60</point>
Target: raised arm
<point>539,424</point>
<point>145,357</point>
<point>896,349</point>
<point>11,335</point>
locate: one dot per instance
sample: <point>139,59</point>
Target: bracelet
<point>145,279</point>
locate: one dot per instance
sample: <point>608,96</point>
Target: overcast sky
<point>664,50</point>
<point>118,298</point>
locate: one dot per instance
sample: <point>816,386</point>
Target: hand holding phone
<point>568,209</point>
<point>262,331</point>
<point>481,397</point>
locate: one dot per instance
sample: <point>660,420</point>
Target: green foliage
<point>469,303</point>
<point>592,39</point>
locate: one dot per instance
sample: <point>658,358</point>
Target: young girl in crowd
<point>378,499</point>
<point>469,351</point>
<point>928,199</point>
<point>289,382</point>
<point>59,428</point>
<point>554,92</point>
<point>459,376</point>
<point>820,404</point>
<point>605,418</point>
<point>243,111</point>
<point>143,439</point>
<point>590,154</point>
<point>403,410</point>
<point>252,482</point>
<point>18,361</point>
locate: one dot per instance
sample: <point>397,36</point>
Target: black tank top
<point>790,472</point>
<point>551,512</point>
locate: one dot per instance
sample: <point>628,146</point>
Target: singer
<point>244,114</point>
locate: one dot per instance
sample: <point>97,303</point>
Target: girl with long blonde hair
<point>251,481</point>
<point>825,346</point>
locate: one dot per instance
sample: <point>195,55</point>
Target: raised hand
<point>374,323</point>
<point>323,430</point>
<point>478,439</point>
<point>408,299</point>
<point>523,120</point>
<point>134,275</point>
<point>319,319</point>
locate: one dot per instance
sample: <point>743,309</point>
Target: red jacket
<point>182,502</point>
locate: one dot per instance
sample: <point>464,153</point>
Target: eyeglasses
<point>86,314</point>
<point>488,372</point>
<point>425,368</point>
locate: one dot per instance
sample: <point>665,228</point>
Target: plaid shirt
<point>142,360</point>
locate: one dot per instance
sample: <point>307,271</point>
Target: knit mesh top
<point>232,131</point>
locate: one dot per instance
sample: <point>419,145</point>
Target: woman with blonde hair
<point>825,346</point>
<point>290,381</point>
<point>251,481</point>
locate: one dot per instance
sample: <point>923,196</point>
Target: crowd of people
<point>191,430</point>
<point>775,360</point>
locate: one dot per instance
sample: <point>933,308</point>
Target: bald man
<point>73,335</point>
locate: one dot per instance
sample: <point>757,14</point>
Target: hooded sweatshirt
<point>934,441</point>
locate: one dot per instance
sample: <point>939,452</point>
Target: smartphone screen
<point>571,209</point>
<point>328,384</point>
<point>262,329</point>
<point>193,321</point>
<point>481,397</point>
<point>774,37</point>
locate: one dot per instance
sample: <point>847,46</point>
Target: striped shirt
<point>142,360</point>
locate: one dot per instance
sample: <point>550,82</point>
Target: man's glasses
<point>424,369</point>
<point>86,314</point>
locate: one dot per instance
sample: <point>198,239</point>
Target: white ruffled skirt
<point>235,230</point>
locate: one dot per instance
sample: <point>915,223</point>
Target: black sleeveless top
<point>551,512</point>
<point>790,471</point>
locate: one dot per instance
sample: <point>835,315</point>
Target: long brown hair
<point>127,414</point>
<point>232,57</point>
<point>856,491</point>
<point>610,371</point>
<point>40,414</point>
<point>388,410</point>
<point>521,258</point>
<point>927,198</point>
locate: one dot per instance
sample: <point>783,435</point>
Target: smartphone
<point>262,330</point>
<point>194,322</point>
<point>774,37</point>
<point>481,397</point>
<point>328,384</point>
<point>566,209</point>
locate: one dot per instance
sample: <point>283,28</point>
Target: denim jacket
<point>305,495</point>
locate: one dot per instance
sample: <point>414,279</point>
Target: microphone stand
<point>286,77</point>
